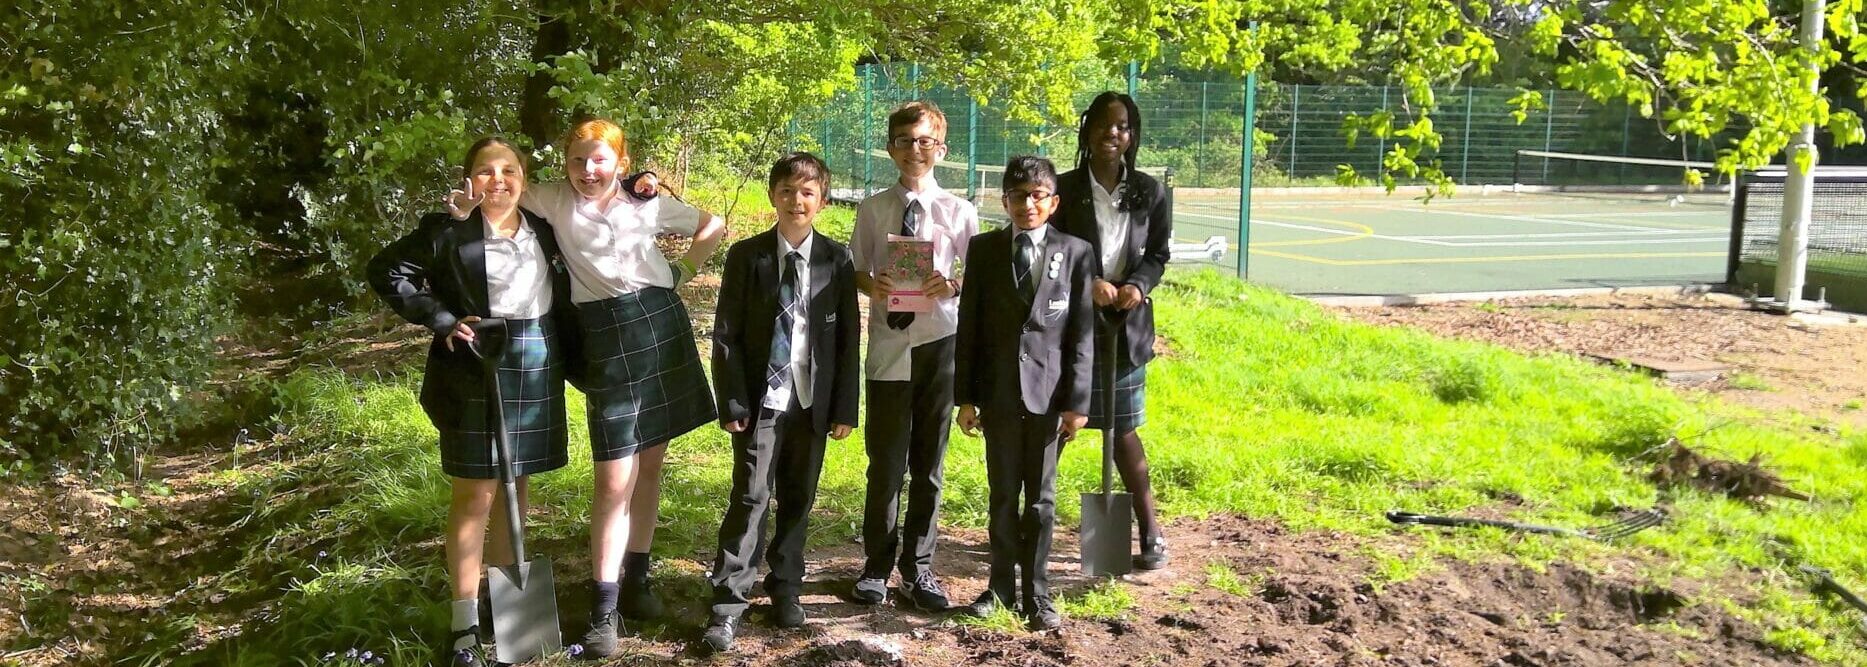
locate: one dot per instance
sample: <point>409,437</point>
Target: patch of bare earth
<point>1777,362</point>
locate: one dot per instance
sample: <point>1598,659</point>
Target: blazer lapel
<point>822,268</point>
<point>472,252</point>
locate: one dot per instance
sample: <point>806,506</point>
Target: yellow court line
<point>1470,260</point>
<point>1363,231</point>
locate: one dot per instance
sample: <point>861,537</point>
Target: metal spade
<point>1108,517</point>
<point>524,598</point>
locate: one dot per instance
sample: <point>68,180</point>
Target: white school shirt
<point>518,279</point>
<point>611,252</point>
<point>946,219</point>
<point>800,324</point>
<point>1113,225</point>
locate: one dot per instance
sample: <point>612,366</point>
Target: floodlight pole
<point>1792,248</point>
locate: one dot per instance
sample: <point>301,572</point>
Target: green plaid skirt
<point>645,384</point>
<point>1130,394</point>
<point>531,382</point>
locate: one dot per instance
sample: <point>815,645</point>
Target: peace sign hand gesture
<point>461,202</point>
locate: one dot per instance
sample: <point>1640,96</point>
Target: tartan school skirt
<point>1130,394</point>
<point>645,384</point>
<point>531,382</point>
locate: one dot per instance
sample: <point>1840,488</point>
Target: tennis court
<point>1474,241</point>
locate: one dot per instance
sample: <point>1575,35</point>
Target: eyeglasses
<point>1033,197</point>
<point>923,143</point>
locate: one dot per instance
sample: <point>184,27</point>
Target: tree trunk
<point>538,113</point>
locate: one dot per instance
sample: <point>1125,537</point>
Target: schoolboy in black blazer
<point>785,374</point>
<point>1022,372</point>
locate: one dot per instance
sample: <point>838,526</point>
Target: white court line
<point>1453,237</point>
<point>1565,244</point>
<point>1433,241</point>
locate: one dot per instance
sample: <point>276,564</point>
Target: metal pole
<point>1380,155</point>
<point>1245,168</point>
<point>1296,103</point>
<point>914,78</point>
<point>1465,144</point>
<point>1199,157</point>
<point>1627,122</point>
<point>972,147</point>
<point>1134,75</point>
<point>868,131</point>
<point>1792,246</point>
<point>1549,131</point>
<point>828,155</point>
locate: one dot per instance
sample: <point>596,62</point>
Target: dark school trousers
<point>907,433</point>
<point>1020,460</point>
<point>777,458</point>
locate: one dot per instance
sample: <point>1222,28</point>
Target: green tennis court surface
<point>1475,241</point>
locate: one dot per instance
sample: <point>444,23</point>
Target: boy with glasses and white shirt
<point>910,359</point>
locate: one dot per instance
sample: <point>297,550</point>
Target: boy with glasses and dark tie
<point>784,370</point>
<point>1022,372</point>
<point>910,360</point>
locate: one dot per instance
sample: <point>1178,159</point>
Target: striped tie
<point>1021,267</point>
<point>778,368</point>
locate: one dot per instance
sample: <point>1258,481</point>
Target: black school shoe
<point>1153,554</point>
<point>721,630</point>
<point>925,593</point>
<point>638,601</point>
<point>1043,615</point>
<point>986,603</point>
<point>787,612</point>
<point>471,656</point>
<point>600,640</point>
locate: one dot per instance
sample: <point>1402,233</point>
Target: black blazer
<point>748,311</point>
<point>1010,353</point>
<point>1150,236</point>
<point>435,276</point>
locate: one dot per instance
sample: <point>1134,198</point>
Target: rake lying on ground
<point>1633,523</point>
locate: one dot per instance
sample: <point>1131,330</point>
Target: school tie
<point>1021,267</point>
<point>778,368</point>
<point>910,226</point>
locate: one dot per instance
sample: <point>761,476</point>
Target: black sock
<point>603,598</point>
<point>635,566</point>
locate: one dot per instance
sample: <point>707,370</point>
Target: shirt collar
<point>1121,182</point>
<point>1037,235</point>
<point>524,234</point>
<point>929,188</point>
<point>784,244</point>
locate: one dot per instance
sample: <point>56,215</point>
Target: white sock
<point>466,615</point>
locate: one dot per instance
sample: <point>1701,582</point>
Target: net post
<point>1549,130</point>
<point>1516,170</point>
<point>1380,154</point>
<point>1465,143</point>
<point>1739,191</point>
<point>868,130</point>
<point>972,147</point>
<point>1134,76</point>
<point>1296,103</point>
<point>1245,167</point>
<point>1199,157</point>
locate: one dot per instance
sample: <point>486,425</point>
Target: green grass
<point>1108,601</point>
<point>1750,382</point>
<point>1223,578</point>
<point>1267,406</point>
